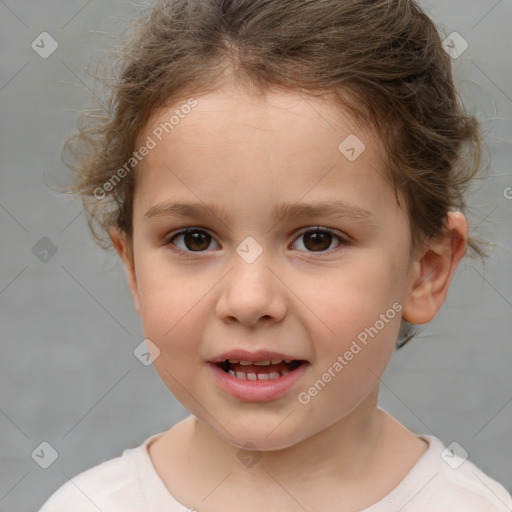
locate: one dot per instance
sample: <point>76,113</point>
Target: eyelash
<point>192,254</point>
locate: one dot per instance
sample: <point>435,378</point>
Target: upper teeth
<point>260,363</point>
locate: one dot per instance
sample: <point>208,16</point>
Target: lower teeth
<point>246,373</point>
<point>259,376</point>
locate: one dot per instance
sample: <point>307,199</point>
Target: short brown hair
<point>383,60</point>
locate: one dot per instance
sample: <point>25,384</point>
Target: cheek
<point>172,309</point>
<point>351,359</point>
<point>357,322</point>
<point>173,318</point>
<point>352,299</point>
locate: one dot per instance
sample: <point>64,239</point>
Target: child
<point>258,129</point>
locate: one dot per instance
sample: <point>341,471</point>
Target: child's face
<point>306,296</point>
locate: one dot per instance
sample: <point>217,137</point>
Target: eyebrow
<point>332,208</point>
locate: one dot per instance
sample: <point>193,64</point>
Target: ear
<point>432,270</point>
<point>124,249</point>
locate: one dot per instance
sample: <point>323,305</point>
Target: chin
<point>254,435</point>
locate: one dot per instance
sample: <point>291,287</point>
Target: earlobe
<point>433,269</point>
<point>124,250</point>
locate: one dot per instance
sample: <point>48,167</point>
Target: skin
<point>247,154</point>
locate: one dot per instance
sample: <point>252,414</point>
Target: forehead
<point>289,114</point>
<point>280,143</point>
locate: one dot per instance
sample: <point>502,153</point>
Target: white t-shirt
<point>130,483</point>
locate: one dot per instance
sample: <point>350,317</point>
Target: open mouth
<point>259,370</point>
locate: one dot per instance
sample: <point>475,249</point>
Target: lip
<point>258,355</point>
<point>257,390</point>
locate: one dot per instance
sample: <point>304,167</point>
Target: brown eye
<point>318,240</point>
<point>194,240</point>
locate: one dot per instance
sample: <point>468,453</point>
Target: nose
<point>251,293</point>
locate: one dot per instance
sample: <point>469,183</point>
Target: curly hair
<point>382,60</point>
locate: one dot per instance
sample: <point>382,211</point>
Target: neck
<point>342,451</point>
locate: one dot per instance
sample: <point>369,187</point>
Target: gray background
<point>68,373</point>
